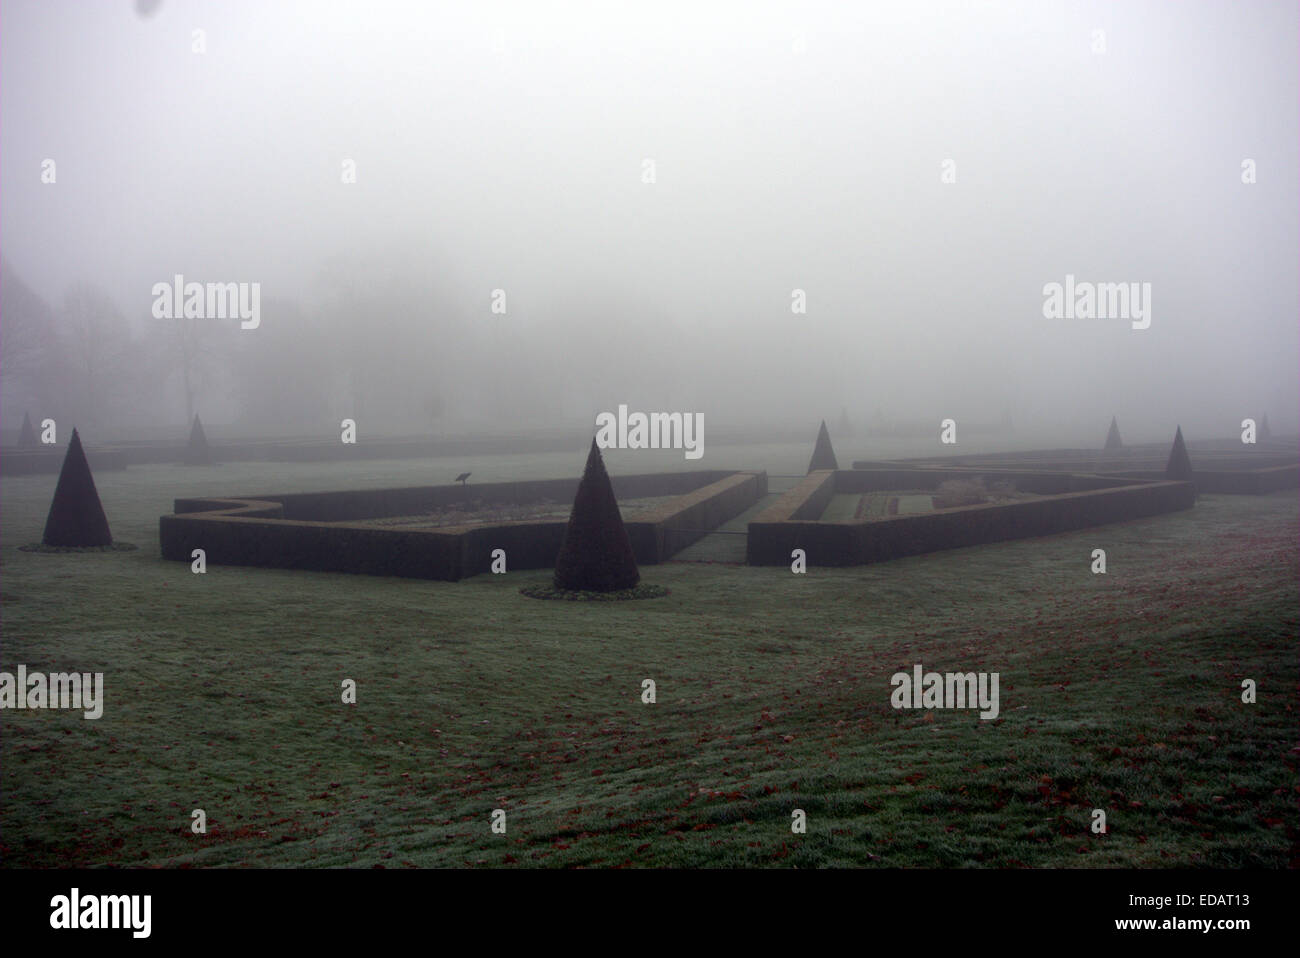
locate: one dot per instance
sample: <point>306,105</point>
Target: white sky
<point>501,146</point>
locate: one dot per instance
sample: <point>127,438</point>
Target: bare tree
<point>287,372</point>
<point>198,355</point>
<point>96,346</point>
<point>29,348</point>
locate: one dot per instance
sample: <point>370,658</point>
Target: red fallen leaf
<point>641,848</point>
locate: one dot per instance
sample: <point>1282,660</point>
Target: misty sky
<point>796,145</point>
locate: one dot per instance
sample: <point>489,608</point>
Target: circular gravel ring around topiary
<point>63,550</point>
<point>548,591</point>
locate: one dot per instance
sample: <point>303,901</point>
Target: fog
<point>648,185</point>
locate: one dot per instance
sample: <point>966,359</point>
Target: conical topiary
<point>198,453</point>
<point>27,437</point>
<point>1180,465</point>
<point>76,516</point>
<point>1112,438</point>
<point>597,554</point>
<point>823,456</point>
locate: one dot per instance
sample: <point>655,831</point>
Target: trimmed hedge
<point>76,517</point>
<point>1043,483</point>
<point>265,531</point>
<point>772,536</point>
<point>692,516</point>
<point>414,500</point>
<point>823,456</point>
<point>1254,482</point>
<point>808,500</point>
<point>596,555</point>
<point>1251,482</point>
<point>1126,462</point>
<point>286,544</point>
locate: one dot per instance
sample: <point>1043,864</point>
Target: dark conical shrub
<point>198,453</point>
<point>1112,438</point>
<point>27,437</point>
<point>1180,465</point>
<point>76,516</point>
<point>597,554</point>
<point>823,456</point>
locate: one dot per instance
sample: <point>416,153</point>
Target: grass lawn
<point>222,691</point>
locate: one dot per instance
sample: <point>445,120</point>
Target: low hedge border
<point>270,530</point>
<point>1073,502</point>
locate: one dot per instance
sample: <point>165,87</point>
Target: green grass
<point>841,506</point>
<point>641,590</point>
<point>222,692</point>
<point>68,550</point>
